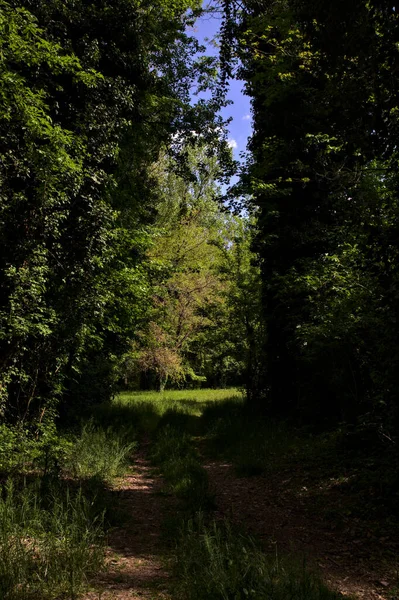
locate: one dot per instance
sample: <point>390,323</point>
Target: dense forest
<point>130,264</point>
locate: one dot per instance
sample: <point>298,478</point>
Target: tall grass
<point>100,453</point>
<point>52,529</point>
<point>214,561</point>
<point>48,545</point>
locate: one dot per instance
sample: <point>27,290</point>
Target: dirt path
<point>134,555</point>
<point>279,511</point>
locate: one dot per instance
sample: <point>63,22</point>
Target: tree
<point>90,93</point>
<point>182,264</point>
<point>241,324</point>
<point>322,177</point>
<point>203,324</point>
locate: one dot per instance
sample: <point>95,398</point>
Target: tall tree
<point>182,264</point>
<point>204,317</point>
<point>89,94</point>
<point>322,172</point>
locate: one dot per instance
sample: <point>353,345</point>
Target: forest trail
<point>135,566</point>
<point>279,512</point>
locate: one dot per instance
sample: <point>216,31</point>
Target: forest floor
<point>281,512</point>
<point>136,568</point>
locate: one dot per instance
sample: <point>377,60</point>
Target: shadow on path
<point>284,518</point>
<point>135,568</point>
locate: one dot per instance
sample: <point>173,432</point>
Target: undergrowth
<point>50,541</point>
<point>53,506</point>
<point>99,452</point>
<point>361,463</point>
<point>214,561</point>
<point>174,453</point>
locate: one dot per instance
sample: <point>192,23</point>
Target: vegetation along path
<point>282,514</point>
<point>282,490</point>
<point>158,232</point>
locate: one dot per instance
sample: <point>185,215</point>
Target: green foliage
<point>213,561</point>
<point>89,96</point>
<point>99,453</point>
<point>42,162</point>
<point>322,183</point>
<point>238,338</point>
<point>39,447</point>
<point>48,545</point>
<point>182,263</point>
<point>203,324</point>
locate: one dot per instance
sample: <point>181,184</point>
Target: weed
<point>173,452</point>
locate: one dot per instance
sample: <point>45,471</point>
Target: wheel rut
<point>285,521</point>
<point>135,563</point>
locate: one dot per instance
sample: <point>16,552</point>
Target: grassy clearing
<point>199,396</point>
<point>356,464</point>
<point>149,410</point>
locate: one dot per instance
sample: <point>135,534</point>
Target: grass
<point>179,462</point>
<point>147,410</point>
<point>50,542</point>
<point>52,507</point>
<point>52,530</point>
<point>169,397</point>
<point>100,453</point>
<point>215,561</point>
<point>341,460</point>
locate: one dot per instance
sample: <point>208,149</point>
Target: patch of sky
<point>206,30</point>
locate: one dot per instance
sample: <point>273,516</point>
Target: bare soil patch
<point>135,563</point>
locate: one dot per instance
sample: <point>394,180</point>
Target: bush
<point>39,447</point>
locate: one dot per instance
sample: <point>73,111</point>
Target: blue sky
<point>239,110</point>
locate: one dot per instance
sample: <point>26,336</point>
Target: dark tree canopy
<point>322,172</point>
